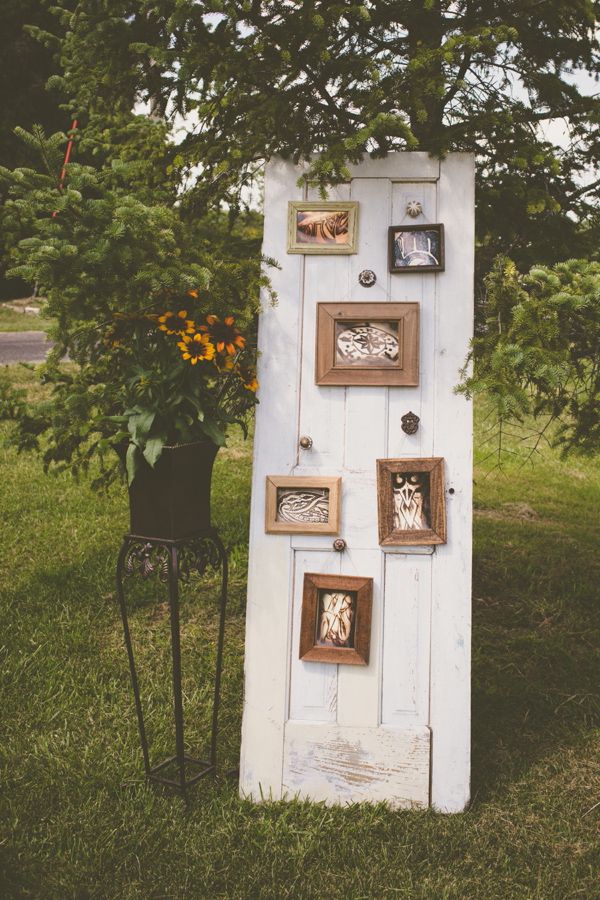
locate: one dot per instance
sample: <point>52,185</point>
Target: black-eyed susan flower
<point>196,348</point>
<point>169,324</point>
<point>224,335</point>
<point>224,363</point>
<point>248,377</point>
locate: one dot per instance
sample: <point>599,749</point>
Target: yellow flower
<point>198,347</point>
<point>188,326</point>
<point>224,363</point>
<point>192,293</point>
<point>248,377</point>
<point>223,334</point>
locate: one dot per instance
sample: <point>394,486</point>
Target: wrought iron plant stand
<point>172,561</point>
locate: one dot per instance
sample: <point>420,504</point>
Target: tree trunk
<point>425,33</point>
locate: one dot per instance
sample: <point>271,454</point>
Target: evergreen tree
<point>25,66</point>
<point>539,353</point>
<point>342,79</point>
<point>254,78</point>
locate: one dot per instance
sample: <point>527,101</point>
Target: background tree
<point>342,79</point>
<point>539,354</point>
<point>248,79</point>
<point>26,64</point>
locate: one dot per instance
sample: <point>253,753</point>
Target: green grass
<point>11,320</point>
<point>68,742</point>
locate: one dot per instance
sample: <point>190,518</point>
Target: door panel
<point>383,731</point>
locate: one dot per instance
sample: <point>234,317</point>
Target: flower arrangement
<point>191,377</point>
<point>155,316</point>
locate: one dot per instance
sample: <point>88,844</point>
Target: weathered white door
<point>399,728</point>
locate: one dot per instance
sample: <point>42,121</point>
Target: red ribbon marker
<point>63,171</point>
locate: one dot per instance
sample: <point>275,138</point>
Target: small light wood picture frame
<point>411,501</point>
<point>335,625</point>
<point>368,344</point>
<point>416,248</point>
<point>322,226</point>
<point>302,504</point>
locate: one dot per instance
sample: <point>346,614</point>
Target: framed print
<point>367,343</point>
<point>411,502</point>
<point>416,248</point>
<point>335,625</point>
<point>302,504</point>
<point>322,226</point>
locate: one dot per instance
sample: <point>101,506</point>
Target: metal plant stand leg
<point>172,562</point>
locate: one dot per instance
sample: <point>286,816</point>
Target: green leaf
<point>214,433</point>
<point>139,425</point>
<point>153,450</point>
<point>131,462</point>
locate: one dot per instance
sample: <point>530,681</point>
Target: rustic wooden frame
<point>385,502</point>
<point>393,231</point>
<point>272,526</point>
<point>358,655</point>
<point>406,373</point>
<point>296,206</point>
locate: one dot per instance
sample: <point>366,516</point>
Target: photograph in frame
<point>416,248</point>
<point>411,501</point>
<point>335,623</point>
<point>367,344</point>
<point>302,504</point>
<point>322,227</point>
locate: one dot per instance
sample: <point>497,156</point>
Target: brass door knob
<point>306,442</point>
<point>339,544</point>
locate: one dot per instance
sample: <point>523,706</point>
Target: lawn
<point>76,821</point>
<point>13,320</point>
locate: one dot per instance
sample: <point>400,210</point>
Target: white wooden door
<point>397,729</point>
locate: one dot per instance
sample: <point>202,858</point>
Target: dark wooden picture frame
<point>410,503</point>
<point>395,327</point>
<point>325,222</point>
<point>419,256</point>
<point>275,523</point>
<point>354,650</point>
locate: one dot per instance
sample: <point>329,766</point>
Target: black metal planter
<point>183,546</point>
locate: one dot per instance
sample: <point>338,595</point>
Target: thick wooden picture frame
<point>297,243</point>
<point>360,592</point>
<point>400,318</point>
<point>303,484</point>
<point>421,251</point>
<point>387,499</point>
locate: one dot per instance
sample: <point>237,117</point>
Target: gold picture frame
<point>302,504</point>
<point>323,227</point>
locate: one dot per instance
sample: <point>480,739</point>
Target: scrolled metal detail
<point>410,423</point>
<point>196,556</point>
<point>146,559</point>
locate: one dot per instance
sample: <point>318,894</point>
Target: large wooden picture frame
<point>302,504</point>
<point>411,501</point>
<point>368,344</point>
<point>416,248</point>
<point>322,226</point>
<point>335,625</point>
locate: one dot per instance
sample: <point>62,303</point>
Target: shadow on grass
<point>536,639</point>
